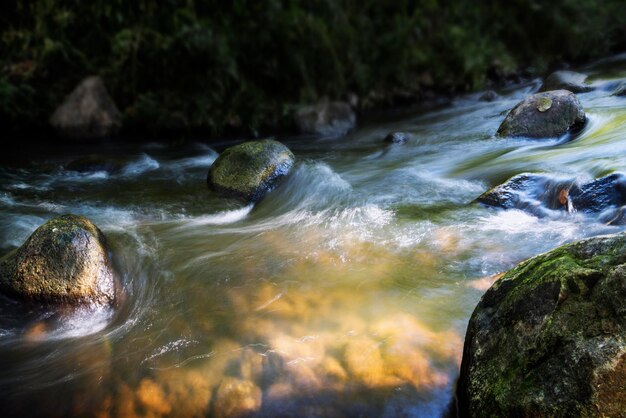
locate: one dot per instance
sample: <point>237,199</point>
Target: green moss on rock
<point>546,337</point>
<point>249,170</point>
<point>64,261</point>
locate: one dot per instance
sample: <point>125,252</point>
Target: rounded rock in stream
<point>544,115</point>
<point>566,80</point>
<point>65,261</point>
<point>398,137</point>
<point>249,170</point>
<point>549,337</point>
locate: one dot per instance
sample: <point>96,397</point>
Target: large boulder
<point>88,112</point>
<point>249,170</point>
<point>549,338</point>
<point>544,115</point>
<point>326,119</point>
<point>566,80</point>
<point>65,261</point>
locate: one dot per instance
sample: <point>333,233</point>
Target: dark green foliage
<point>212,65</point>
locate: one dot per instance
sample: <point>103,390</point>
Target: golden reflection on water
<point>329,325</point>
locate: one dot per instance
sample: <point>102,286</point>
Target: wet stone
<point>65,261</point>
<point>236,398</point>
<point>537,192</point>
<point>544,115</point>
<point>398,138</point>
<point>549,337</point>
<point>248,171</point>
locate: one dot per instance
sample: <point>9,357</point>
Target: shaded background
<point>216,67</point>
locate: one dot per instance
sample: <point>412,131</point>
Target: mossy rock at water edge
<point>65,261</point>
<point>549,337</point>
<point>544,115</point>
<point>248,171</point>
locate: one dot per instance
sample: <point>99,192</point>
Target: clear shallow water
<point>345,292</point>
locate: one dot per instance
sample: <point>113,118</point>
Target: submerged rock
<point>326,118</point>
<point>488,96</point>
<point>566,80</point>
<point>549,337</point>
<point>398,137</point>
<point>93,163</point>
<point>544,115</point>
<point>88,112</point>
<point>236,398</point>
<point>249,170</point>
<point>65,261</point>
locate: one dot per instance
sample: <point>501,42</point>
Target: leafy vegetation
<point>187,65</point>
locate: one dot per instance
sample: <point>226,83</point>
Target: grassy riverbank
<point>217,67</point>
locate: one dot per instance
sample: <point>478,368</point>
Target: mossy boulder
<point>65,261</point>
<point>88,112</point>
<point>248,171</point>
<point>549,337</point>
<point>566,80</point>
<point>544,115</point>
<point>326,118</point>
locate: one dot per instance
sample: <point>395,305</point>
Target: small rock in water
<point>488,96</point>
<point>544,115</point>
<point>326,118</point>
<point>88,112</point>
<point>566,80</point>
<point>397,138</point>
<point>65,261</point>
<point>248,171</point>
<point>549,337</point>
<point>236,398</point>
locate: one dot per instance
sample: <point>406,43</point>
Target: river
<point>345,292</point>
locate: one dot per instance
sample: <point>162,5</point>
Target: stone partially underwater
<point>65,261</point>
<point>248,171</point>
<point>549,337</point>
<point>541,193</point>
<point>566,80</point>
<point>544,115</point>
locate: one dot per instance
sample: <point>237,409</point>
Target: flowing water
<point>345,292</point>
